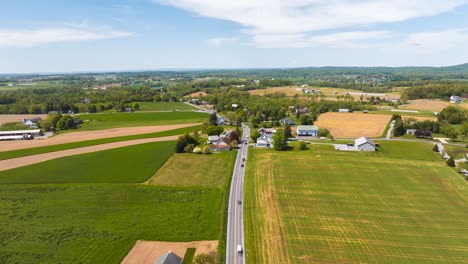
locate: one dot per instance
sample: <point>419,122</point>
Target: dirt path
<point>148,252</point>
<point>28,160</point>
<point>87,135</point>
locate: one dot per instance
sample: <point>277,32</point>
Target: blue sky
<point>85,35</point>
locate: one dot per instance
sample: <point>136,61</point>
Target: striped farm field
<point>353,125</point>
<point>324,206</point>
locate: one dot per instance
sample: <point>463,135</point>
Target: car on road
<point>239,249</point>
<point>242,165</point>
<point>239,201</point>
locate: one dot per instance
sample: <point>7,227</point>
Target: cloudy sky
<point>89,35</point>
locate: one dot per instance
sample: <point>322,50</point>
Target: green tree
<point>65,122</point>
<point>287,131</point>
<point>435,148</point>
<point>214,130</point>
<point>279,140</point>
<point>398,129</point>
<point>135,106</point>
<point>183,141</point>
<point>306,120</point>
<point>464,130</point>
<point>213,119</point>
<point>451,162</point>
<point>302,145</point>
<point>254,135</point>
<point>234,144</point>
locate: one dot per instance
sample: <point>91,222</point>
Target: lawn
<point>323,206</point>
<point>39,150</point>
<point>194,170</point>
<point>92,208</point>
<point>165,106</point>
<point>111,120</point>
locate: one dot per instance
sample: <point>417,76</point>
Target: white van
<point>239,249</point>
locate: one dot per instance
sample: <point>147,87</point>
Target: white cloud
<point>436,41</point>
<point>218,42</point>
<point>279,20</point>
<point>29,38</point>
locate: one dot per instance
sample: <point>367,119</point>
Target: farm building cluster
<point>20,134</point>
<point>360,144</point>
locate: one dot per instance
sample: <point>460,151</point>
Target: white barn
<point>364,144</point>
<point>311,131</point>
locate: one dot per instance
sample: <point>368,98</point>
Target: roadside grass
<point>456,152</point>
<point>39,150</point>
<point>100,121</point>
<point>70,223</point>
<point>133,164</point>
<point>191,169</point>
<point>323,206</point>
<point>165,106</point>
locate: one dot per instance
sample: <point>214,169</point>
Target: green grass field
<point>112,120</point>
<point>92,208</point>
<point>206,170</point>
<point>165,106</point>
<point>324,206</point>
<point>39,150</point>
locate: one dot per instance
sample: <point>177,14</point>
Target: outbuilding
<point>307,131</point>
<point>364,144</point>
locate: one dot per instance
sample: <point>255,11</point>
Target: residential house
<point>221,121</point>
<point>308,91</point>
<point>263,142</point>
<point>304,110</point>
<point>410,131</point>
<point>304,86</point>
<point>455,99</point>
<point>31,122</point>
<point>393,100</point>
<point>224,143</point>
<point>343,110</point>
<point>213,139</point>
<point>267,132</point>
<point>287,121</point>
<point>169,258</point>
<point>364,144</point>
<point>234,106</point>
<point>307,131</point>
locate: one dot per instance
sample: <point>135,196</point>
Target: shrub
<point>206,150</point>
<point>302,145</point>
<point>435,148</point>
<point>451,162</point>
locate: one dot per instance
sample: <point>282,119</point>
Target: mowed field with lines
<point>324,206</point>
<point>353,125</point>
<point>92,208</point>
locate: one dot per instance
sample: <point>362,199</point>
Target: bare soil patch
<point>420,118</point>
<point>198,94</point>
<point>28,160</point>
<point>17,118</point>
<point>293,90</point>
<point>353,125</point>
<point>424,104</point>
<point>87,135</point>
<point>148,252</point>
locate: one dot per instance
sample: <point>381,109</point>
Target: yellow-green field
<point>324,206</point>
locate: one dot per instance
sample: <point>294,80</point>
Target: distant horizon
<point>215,69</point>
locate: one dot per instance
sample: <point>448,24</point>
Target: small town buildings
<point>224,143</point>
<point>364,144</point>
<point>169,258</point>
<point>263,142</point>
<point>20,134</point>
<point>213,139</point>
<point>307,131</point>
<point>221,121</point>
<point>343,110</point>
<point>455,99</point>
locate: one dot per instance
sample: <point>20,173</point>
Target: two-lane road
<point>235,230</point>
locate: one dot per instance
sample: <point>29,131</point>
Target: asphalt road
<point>235,228</point>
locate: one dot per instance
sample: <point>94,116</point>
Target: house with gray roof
<point>169,258</point>
<point>364,144</point>
<point>307,131</point>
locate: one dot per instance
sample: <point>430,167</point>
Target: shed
<point>364,144</point>
<point>213,139</point>
<point>307,131</point>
